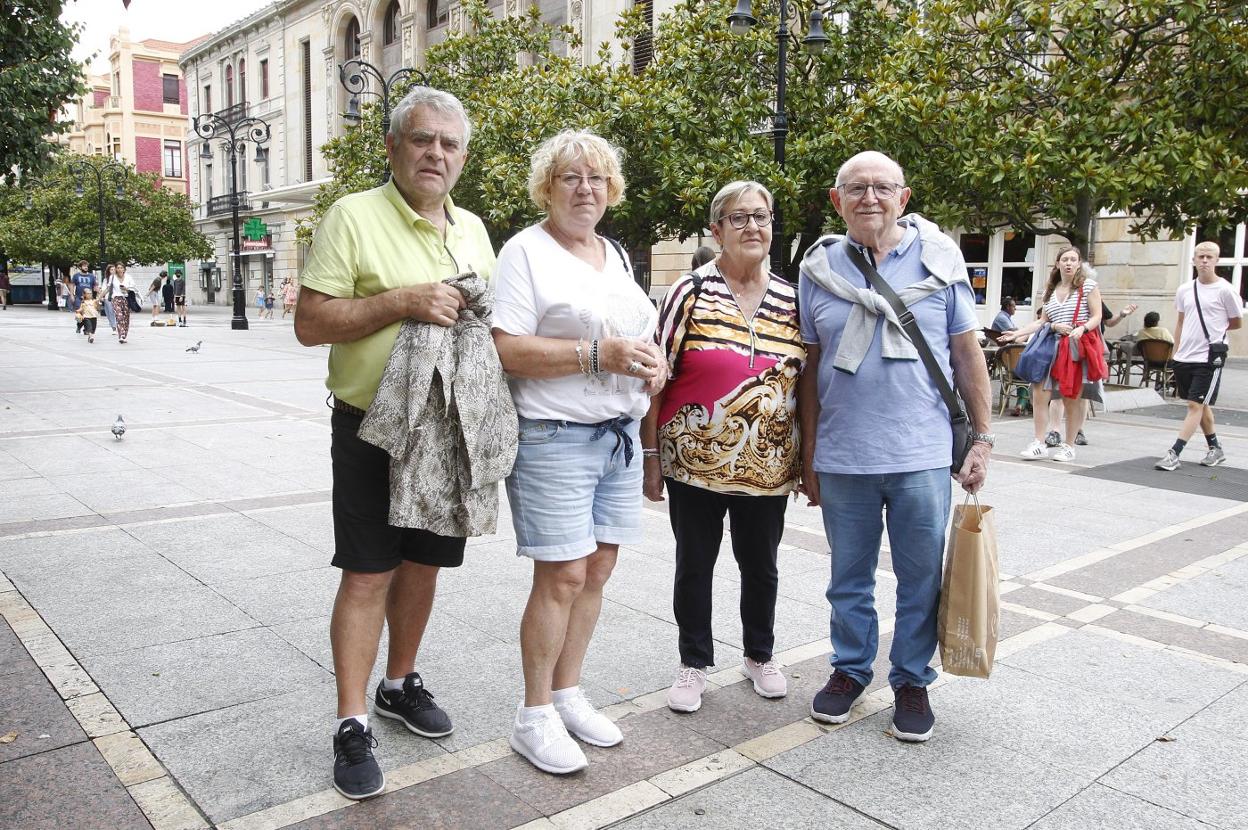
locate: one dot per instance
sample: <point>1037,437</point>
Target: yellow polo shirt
<point>371,242</point>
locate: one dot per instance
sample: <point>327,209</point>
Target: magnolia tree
<point>1038,114</point>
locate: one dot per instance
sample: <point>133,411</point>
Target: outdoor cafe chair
<point>1011,384</point>
<point>1157,363</point>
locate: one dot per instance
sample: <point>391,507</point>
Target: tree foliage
<point>37,78</point>
<point>1037,114</point>
<point>46,220</point>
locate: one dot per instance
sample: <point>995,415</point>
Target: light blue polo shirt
<point>888,417</point>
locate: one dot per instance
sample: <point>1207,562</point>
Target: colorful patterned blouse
<point>728,421</point>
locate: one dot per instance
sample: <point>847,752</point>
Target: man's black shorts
<point>1198,382</point>
<point>363,540</point>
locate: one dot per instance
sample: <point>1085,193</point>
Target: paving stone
<point>174,680</point>
<point>279,598</point>
<point>1046,601</point>
<point>1216,596</point>
<point>459,800</point>
<point>1199,774</point>
<point>13,655</point>
<point>1201,640</point>
<point>1227,716</point>
<point>311,524</point>
<point>652,744</point>
<point>287,742</point>
<point>954,780</point>
<point>68,787</point>
<point>1169,683</point>
<point>33,709</point>
<point>1013,623</point>
<point>1108,809</point>
<point>739,802</point>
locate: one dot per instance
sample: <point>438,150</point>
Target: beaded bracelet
<point>580,357</point>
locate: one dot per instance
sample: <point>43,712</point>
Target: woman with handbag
<point>107,303</point>
<point>117,291</point>
<point>722,439</point>
<point>1071,306</point>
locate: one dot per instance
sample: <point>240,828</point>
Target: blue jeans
<point>917,509</point>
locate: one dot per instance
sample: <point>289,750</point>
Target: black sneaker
<point>356,773</point>
<point>833,702</point>
<point>413,704</point>
<point>912,715</point>
<point>1081,439</point>
<point>1053,439</point>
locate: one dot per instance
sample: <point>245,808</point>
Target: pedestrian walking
<point>166,292</point>
<point>882,440</point>
<point>260,303</point>
<point>90,309</point>
<point>379,258</point>
<point>1208,310</point>
<point>120,285</point>
<point>5,286</point>
<point>153,298</point>
<point>722,437</point>
<point>83,281</point>
<point>104,299</point>
<point>290,295</point>
<point>575,333</point>
<point>1071,305</point>
<point>269,300</point>
<point>179,297</point>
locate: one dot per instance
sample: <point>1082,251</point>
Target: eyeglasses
<point>740,219</point>
<point>883,190</point>
<point>573,180</point>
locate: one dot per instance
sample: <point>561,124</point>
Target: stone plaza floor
<point>165,660</point>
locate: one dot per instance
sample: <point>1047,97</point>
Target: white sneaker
<point>768,679</point>
<point>546,743</point>
<point>1064,452</point>
<point>586,723</point>
<point>1034,451</point>
<point>686,693</point>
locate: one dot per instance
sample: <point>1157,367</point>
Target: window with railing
<point>242,80</point>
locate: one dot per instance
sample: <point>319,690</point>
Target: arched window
<point>390,28</point>
<point>351,41</point>
<point>437,13</point>
<point>242,80</point>
<point>229,86</point>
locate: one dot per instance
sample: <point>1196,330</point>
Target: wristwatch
<point>984,438</point>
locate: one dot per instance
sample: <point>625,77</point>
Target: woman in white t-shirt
<point>1071,304</point>
<point>575,334</point>
<point>116,291</point>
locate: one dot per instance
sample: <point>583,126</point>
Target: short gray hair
<point>435,99</point>
<point>566,147</point>
<point>733,192</point>
<point>868,155</point>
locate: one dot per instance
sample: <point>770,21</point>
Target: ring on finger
<point>634,367</point>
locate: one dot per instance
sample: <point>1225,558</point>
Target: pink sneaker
<point>768,681</point>
<point>686,693</point>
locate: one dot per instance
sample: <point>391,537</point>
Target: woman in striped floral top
<point>722,438</point>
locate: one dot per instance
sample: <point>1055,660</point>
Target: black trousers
<point>757,523</point>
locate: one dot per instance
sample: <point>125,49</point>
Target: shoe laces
<point>419,697</point>
<point>839,684</point>
<point>578,705</point>
<point>549,727</point>
<point>356,745</point>
<point>912,699</point>
<point>768,668</point>
<point>688,677</point>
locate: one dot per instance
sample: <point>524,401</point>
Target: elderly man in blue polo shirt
<point>877,440</point>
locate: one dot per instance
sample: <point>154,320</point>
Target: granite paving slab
<point>285,741</point>
<point>68,787</point>
<point>311,524</point>
<point>283,597</point>
<point>1177,412</point>
<point>1228,715</point>
<point>1201,640</point>
<point>46,509</point>
<point>30,707</point>
<point>957,779</point>
<point>1046,601</point>
<point>460,800</point>
<point>652,744</point>
<point>742,801</point>
<point>1223,482</point>
<point>13,655</point>
<point>1216,596</point>
<point>174,680</point>
<point>1107,809</point>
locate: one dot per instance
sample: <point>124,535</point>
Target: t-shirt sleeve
<point>515,299</point>
<point>961,309</point>
<point>670,311</point>
<point>331,266</point>
<point>805,319</point>
<point>1234,309</point>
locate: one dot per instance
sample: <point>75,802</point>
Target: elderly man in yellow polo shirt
<point>379,258</point>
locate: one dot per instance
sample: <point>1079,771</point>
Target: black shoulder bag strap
<point>957,412</point>
<point>681,329</point>
<point>1216,356</point>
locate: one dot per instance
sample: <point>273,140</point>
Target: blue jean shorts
<point>569,493</point>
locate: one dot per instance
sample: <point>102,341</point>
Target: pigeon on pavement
<point>195,348</point>
<point>119,428</point>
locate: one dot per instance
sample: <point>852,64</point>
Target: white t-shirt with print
<point>1219,303</point>
<point>541,289</point>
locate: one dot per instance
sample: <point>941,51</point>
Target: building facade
<point>137,113</point>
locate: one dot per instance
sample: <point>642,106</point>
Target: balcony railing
<point>221,204</point>
<point>234,113</point>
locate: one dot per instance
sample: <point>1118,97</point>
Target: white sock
<point>363,719</point>
<point>528,714</point>
<point>564,695</point>
<point>392,685</point>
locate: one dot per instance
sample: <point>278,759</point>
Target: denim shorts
<point>569,493</point>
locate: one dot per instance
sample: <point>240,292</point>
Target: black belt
<point>344,407</point>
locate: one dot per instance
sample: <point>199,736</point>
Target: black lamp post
<point>354,75</point>
<point>741,21</point>
<point>235,131</point>
<point>112,170</point>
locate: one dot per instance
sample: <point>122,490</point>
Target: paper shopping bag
<point>970,604</point>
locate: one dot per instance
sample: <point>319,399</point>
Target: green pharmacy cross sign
<point>255,230</point>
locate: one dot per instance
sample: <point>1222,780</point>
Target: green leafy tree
<point>1038,114</point>
<point>37,78</point>
<point>47,220</point>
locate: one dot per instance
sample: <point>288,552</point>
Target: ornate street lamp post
<point>113,170</point>
<point>235,131</point>
<point>354,75</point>
<point>741,21</point>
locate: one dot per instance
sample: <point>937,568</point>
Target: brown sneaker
<point>768,680</point>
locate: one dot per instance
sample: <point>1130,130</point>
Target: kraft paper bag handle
<point>979,511</point>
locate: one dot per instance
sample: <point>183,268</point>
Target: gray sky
<point>174,20</point>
